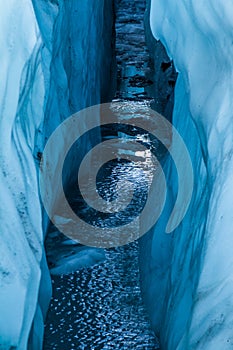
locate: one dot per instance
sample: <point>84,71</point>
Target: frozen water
<point>46,56</point>
<point>22,93</point>
<point>187,276</point>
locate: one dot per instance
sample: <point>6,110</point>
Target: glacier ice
<point>22,100</point>
<point>56,58</point>
<point>83,258</point>
<point>164,75</point>
<point>187,276</point>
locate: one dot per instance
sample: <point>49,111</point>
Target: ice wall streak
<point>56,58</point>
<point>187,279</point>
<point>22,96</point>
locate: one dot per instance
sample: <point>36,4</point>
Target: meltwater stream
<point>100,306</point>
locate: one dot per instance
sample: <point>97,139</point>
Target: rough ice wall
<point>22,94</point>
<point>187,276</point>
<point>82,68</point>
<point>56,58</point>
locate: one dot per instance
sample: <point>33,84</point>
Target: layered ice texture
<point>187,275</point>
<point>56,58</point>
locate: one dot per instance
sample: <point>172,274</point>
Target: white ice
<point>187,276</point>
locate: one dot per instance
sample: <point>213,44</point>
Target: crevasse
<point>46,56</point>
<point>187,277</point>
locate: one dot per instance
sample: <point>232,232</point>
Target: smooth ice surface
<point>56,58</point>
<point>187,276</point>
<point>82,257</point>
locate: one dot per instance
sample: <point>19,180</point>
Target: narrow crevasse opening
<point>97,301</point>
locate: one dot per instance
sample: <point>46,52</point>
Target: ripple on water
<point>100,307</point>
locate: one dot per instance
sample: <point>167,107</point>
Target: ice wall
<point>164,76</point>
<point>56,58</point>
<point>187,276</point>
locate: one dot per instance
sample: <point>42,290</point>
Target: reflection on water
<point>100,306</point>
